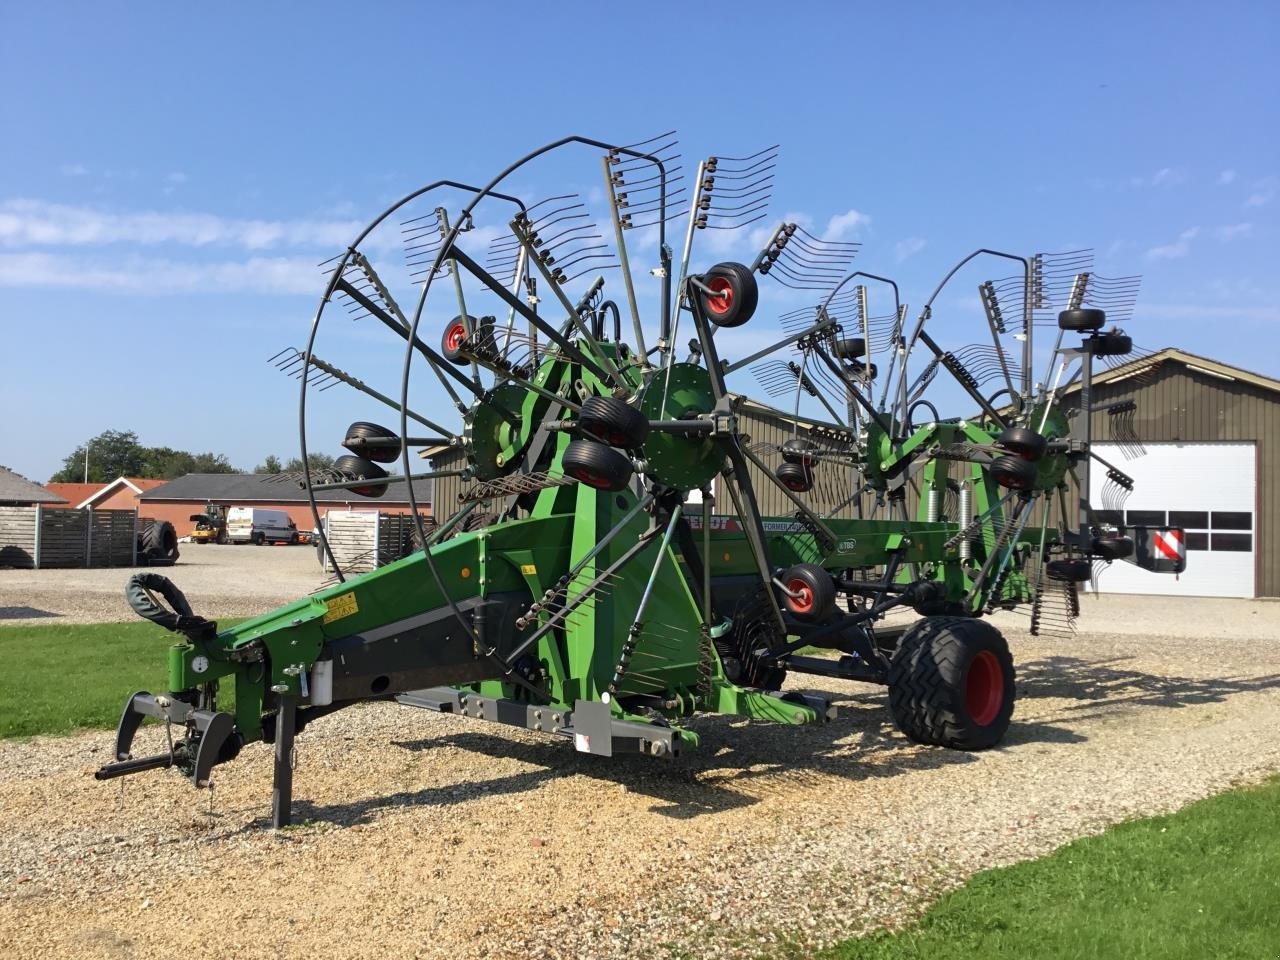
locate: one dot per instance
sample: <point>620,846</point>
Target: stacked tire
<point>158,544</point>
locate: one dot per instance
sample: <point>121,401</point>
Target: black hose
<point>140,592</point>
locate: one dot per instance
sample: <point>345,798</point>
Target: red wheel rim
<point>590,479</point>
<point>454,336</point>
<point>803,601</point>
<point>722,304</point>
<point>984,688</point>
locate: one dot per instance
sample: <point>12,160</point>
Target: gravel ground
<point>430,836</point>
<point>220,581</point>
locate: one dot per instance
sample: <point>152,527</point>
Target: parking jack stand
<point>282,782</point>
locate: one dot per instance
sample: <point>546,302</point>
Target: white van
<point>258,526</point>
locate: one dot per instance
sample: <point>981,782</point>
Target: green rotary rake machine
<point>609,569</point>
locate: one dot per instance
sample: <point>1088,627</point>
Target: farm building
<point>120,494</point>
<point>17,491</point>
<point>1202,442</point>
<point>177,500</point>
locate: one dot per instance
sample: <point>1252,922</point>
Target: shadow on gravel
<point>26,613</point>
<point>737,764</point>
<point>1103,686</point>
<point>741,763</point>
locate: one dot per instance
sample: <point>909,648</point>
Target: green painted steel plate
<point>683,461</point>
<point>490,432</point>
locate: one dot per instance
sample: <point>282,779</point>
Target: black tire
<point>737,294</point>
<point>361,468</point>
<point>1013,473</point>
<point>455,331</point>
<point>1068,570</point>
<point>1024,442</point>
<point>1111,548</point>
<point>160,541</point>
<point>362,430</point>
<point>259,539</point>
<point>817,600</point>
<point>798,450</point>
<point>1082,319</point>
<point>795,477</point>
<point>597,465</point>
<point>852,348</point>
<point>951,683</point>
<point>1110,344</point>
<point>614,421</point>
<point>858,369</point>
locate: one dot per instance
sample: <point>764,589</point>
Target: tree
<point>117,453</point>
<point>112,453</point>
<point>270,465</point>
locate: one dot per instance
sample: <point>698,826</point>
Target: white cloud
<point>37,223</point>
<point>1234,231</point>
<point>74,170</point>
<point>904,249</point>
<point>1264,191</point>
<point>1166,177</point>
<point>846,226</point>
<point>1173,251</point>
<point>1226,177</point>
<point>177,177</point>
<point>275,275</point>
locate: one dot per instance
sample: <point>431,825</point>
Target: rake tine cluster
<point>986,362</point>
<point>290,361</point>
<point>778,377</point>
<point>1116,295</point>
<point>637,184</point>
<point>799,260</point>
<point>1116,489</point>
<point>735,191</point>
<point>422,238</point>
<point>357,273</point>
<point>513,485</point>
<point>1120,417</point>
<point>561,233</point>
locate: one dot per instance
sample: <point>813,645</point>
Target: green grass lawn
<point>1202,883</point>
<point>58,678</point>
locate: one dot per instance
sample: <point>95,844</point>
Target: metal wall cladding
<point>1176,402</point>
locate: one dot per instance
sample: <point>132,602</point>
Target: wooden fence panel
<point>18,537</point>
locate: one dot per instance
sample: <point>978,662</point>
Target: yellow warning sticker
<point>528,569</point>
<point>340,606</point>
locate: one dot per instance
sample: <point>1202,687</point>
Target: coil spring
<point>706,653</point>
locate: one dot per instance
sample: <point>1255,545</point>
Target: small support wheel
<point>614,421</point>
<point>1013,473</point>
<point>812,592</point>
<point>361,468</point>
<point>1111,548</point>
<point>597,465</point>
<point>452,339</point>
<point>852,348</point>
<point>1022,441</point>
<point>362,430</point>
<point>798,450</point>
<point>1082,319</point>
<point>951,683</point>
<point>733,296</point>
<point>796,477</point>
<point>1068,570</point>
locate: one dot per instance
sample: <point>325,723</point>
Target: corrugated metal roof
<point>1212,367</point>
<point>15,488</point>
<point>247,487</point>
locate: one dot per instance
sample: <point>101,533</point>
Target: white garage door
<point>1210,490</point>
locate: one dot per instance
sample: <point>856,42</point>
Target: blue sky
<point>172,175</point>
